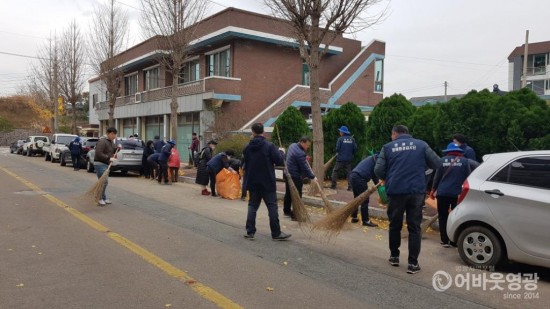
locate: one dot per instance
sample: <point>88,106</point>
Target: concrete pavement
<point>203,236</point>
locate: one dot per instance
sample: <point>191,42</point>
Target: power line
<point>21,34</point>
<point>440,60</point>
<point>24,56</point>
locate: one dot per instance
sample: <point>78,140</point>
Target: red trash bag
<point>228,185</point>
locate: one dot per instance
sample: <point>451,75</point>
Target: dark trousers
<point>397,206</point>
<point>153,168</point>
<point>358,186</point>
<point>163,171</point>
<point>270,200</point>
<point>174,173</point>
<point>341,165</point>
<point>243,191</point>
<point>299,183</point>
<point>212,175</point>
<point>76,161</point>
<point>443,204</point>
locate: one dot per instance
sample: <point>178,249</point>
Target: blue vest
<point>405,165</point>
<point>345,147</point>
<point>365,169</point>
<point>450,185</point>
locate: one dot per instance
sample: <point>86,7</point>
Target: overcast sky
<point>463,42</point>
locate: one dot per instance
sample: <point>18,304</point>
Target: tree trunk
<point>318,140</point>
<point>112,102</point>
<point>174,108</point>
<point>74,118</point>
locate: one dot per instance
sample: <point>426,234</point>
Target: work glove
<point>432,194</point>
<point>315,179</point>
<point>281,149</point>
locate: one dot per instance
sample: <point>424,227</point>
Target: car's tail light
<point>86,148</point>
<point>465,189</point>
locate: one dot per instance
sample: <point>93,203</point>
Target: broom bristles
<point>97,189</point>
<point>333,223</point>
<point>298,208</point>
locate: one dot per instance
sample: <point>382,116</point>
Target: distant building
<point>538,68</point>
<point>243,67</point>
<point>421,101</point>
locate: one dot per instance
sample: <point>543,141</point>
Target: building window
<point>219,64</point>
<point>537,86</point>
<point>94,99</point>
<point>190,72</point>
<point>305,74</point>
<point>379,75</point>
<point>130,85</point>
<point>151,78</point>
<point>548,84</point>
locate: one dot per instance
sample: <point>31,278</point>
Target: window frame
<point>126,84</point>
<point>194,62</point>
<point>507,168</point>
<point>214,65</point>
<point>378,82</point>
<point>147,80</point>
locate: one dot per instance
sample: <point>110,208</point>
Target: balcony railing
<point>534,71</point>
<point>218,84</point>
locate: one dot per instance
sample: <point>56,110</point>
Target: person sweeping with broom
<point>401,165</point>
<point>104,155</point>
<point>298,168</point>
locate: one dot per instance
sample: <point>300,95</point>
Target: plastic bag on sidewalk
<point>228,185</point>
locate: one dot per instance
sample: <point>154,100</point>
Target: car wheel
<point>62,160</point>
<point>89,167</point>
<point>479,247</point>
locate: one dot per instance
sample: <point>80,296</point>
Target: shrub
<point>292,125</point>
<point>235,142</point>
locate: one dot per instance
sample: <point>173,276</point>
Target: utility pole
<point>55,87</point>
<point>525,55</point>
<point>446,85</point>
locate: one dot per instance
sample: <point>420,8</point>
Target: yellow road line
<point>199,288</point>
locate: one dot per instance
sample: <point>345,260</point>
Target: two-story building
<point>538,68</point>
<point>242,68</point>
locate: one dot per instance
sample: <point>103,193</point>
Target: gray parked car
<point>129,157</point>
<point>505,213</point>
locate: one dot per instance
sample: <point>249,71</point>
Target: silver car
<point>505,211</point>
<point>129,157</point>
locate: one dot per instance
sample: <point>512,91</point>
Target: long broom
<point>333,223</point>
<point>299,210</point>
<point>97,189</point>
<point>328,206</point>
<point>327,165</point>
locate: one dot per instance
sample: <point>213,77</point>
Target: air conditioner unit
<point>138,97</point>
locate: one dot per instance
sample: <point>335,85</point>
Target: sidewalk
<point>338,197</point>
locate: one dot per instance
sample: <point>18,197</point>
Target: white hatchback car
<point>505,211</point>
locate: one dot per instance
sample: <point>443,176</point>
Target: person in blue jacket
<point>345,150</point>
<point>158,144</point>
<point>298,169</point>
<point>76,150</point>
<point>165,153</point>
<point>469,152</point>
<point>401,165</point>
<point>359,178</point>
<point>215,165</point>
<point>260,157</point>
<point>447,185</point>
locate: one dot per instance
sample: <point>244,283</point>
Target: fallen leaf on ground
<point>379,237</point>
<point>168,305</point>
<point>10,249</point>
<point>285,263</point>
<point>39,253</point>
<point>20,285</point>
<point>33,246</point>
<point>270,289</point>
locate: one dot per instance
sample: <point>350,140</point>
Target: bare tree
<point>43,83</point>
<point>172,21</point>
<point>71,77</point>
<point>108,37</point>
<point>316,23</point>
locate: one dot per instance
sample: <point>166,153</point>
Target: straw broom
<point>334,222</point>
<point>327,165</point>
<point>97,189</point>
<point>298,208</point>
<point>328,206</point>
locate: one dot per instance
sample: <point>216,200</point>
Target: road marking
<point>199,288</point>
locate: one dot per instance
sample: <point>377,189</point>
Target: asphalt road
<point>169,247</point>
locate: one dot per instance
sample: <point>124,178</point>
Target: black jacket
<point>296,162</point>
<point>261,157</point>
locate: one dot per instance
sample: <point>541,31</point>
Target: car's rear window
<point>40,138</point>
<point>91,142</point>
<point>131,144</point>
